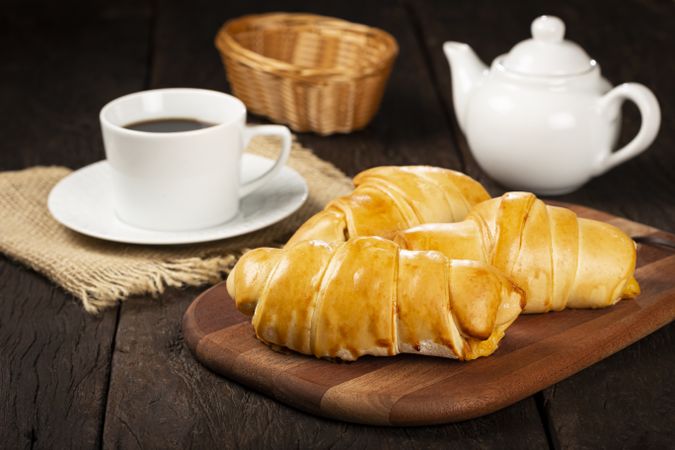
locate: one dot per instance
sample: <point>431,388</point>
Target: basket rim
<point>306,76</point>
<point>228,46</point>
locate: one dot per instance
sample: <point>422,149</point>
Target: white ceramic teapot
<point>542,118</point>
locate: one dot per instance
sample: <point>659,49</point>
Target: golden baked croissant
<point>558,259</point>
<point>391,198</point>
<point>366,296</point>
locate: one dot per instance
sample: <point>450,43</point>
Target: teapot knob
<point>548,29</point>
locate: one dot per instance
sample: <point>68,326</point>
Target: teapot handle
<point>651,120</point>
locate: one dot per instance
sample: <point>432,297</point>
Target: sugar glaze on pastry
<point>392,198</point>
<point>558,259</point>
<point>366,296</point>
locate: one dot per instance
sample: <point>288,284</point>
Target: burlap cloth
<point>101,273</point>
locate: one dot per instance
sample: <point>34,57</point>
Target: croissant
<point>366,296</point>
<point>558,259</point>
<point>391,198</point>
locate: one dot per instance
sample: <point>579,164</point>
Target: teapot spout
<point>466,69</point>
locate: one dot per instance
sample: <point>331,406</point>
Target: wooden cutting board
<point>538,351</point>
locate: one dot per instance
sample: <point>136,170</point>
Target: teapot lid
<point>547,53</point>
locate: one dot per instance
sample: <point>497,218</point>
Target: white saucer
<point>82,201</point>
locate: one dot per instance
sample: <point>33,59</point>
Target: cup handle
<point>651,120</point>
<point>267,130</point>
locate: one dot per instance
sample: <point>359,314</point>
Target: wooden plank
<point>54,364</point>
<point>176,402</point>
<point>625,400</point>
<point>163,398</point>
<point>59,66</point>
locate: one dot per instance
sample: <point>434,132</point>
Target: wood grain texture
<point>538,351</point>
<point>59,66</point>
<point>623,402</point>
<point>167,399</point>
<point>191,406</point>
<point>54,363</point>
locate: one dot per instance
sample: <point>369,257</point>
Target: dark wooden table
<point>126,379</point>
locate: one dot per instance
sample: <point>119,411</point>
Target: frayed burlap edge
<point>101,273</point>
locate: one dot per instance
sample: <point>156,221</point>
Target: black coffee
<point>169,125</point>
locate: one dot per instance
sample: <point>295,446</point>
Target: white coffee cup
<point>182,180</point>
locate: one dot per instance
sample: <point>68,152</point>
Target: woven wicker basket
<point>310,72</point>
